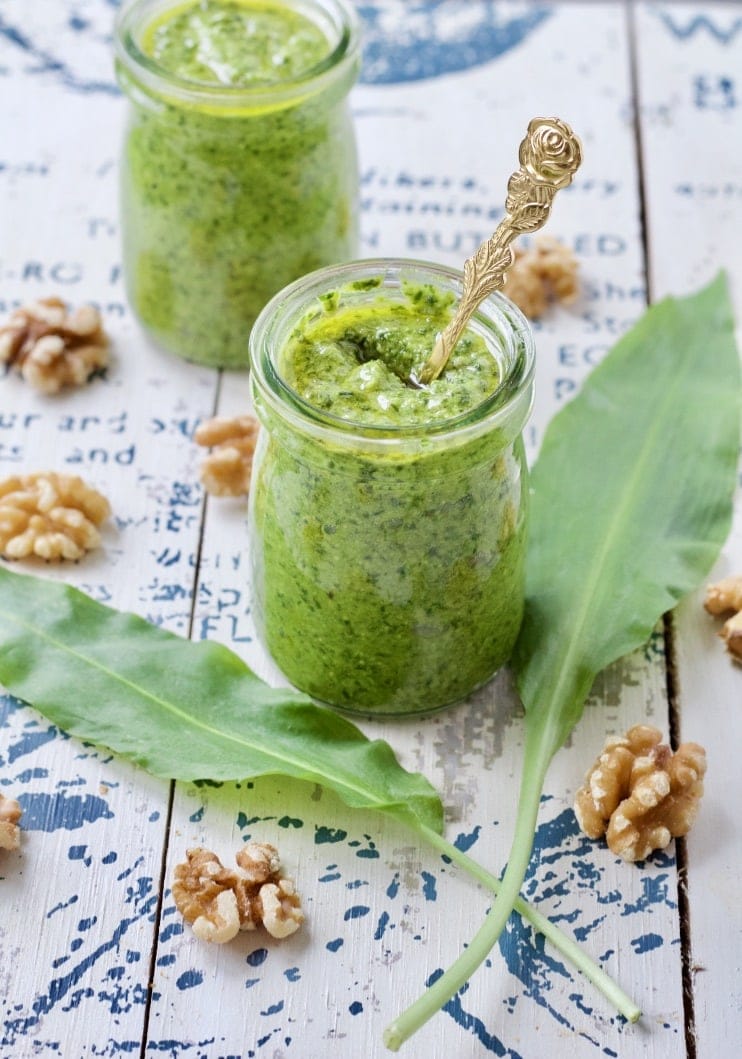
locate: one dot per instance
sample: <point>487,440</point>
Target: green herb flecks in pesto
<point>242,43</point>
<point>354,361</point>
<point>373,570</point>
<point>223,202</point>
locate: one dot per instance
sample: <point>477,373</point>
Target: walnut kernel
<point>281,908</point>
<point>53,516</point>
<point>52,347</point>
<point>259,862</point>
<point>226,471</point>
<point>219,902</point>
<point>725,597</point>
<point>639,794</point>
<point>545,272</point>
<point>10,832</point>
<point>220,921</point>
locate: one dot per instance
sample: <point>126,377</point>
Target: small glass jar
<point>388,562</point>
<point>230,193</point>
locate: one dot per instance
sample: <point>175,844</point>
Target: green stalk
<point>562,942</point>
<point>538,753</point>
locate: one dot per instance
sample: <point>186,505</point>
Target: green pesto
<point>355,362</point>
<point>241,43</point>
<point>225,203</point>
<point>386,582</point>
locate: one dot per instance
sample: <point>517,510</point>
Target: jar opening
<point>504,330</point>
<point>335,19</point>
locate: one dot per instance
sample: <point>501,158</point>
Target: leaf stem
<point>441,991</point>
<point>538,754</point>
<point>561,941</point>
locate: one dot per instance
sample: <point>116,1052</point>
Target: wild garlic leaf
<point>185,710</point>
<point>632,500</point>
<point>188,710</point>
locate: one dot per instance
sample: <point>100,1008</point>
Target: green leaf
<point>185,710</point>
<point>632,500</point>
<point>188,711</point>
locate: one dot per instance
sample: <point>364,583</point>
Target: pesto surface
<point>241,43</point>
<point>386,582</point>
<point>225,203</point>
<point>355,362</point>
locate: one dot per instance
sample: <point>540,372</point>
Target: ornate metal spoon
<point>549,157</point>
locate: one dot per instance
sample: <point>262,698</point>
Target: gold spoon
<point>549,157</point>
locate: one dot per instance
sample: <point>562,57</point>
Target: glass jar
<point>387,563</point>
<point>229,193</point>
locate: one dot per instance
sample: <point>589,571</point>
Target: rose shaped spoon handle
<point>549,157</point>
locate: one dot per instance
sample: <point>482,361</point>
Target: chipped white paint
<point>437,144</point>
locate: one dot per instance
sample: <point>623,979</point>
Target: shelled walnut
<point>53,347</point>
<point>543,273</point>
<point>226,471</point>
<point>10,832</point>
<point>725,597</point>
<point>219,902</point>
<point>52,516</point>
<point>639,794</point>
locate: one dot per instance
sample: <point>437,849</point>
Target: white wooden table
<point>94,959</point>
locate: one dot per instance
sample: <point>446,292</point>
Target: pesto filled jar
<point>239,170</point>
<point>387,522</point>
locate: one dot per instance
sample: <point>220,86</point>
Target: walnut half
<point>10,832</point>
<point>226,471</point>
<point>53,347</point>
<point>219,902</point>
<point>53,516</point>
<point>639,794</point>
<point>543,273</point>
<point>725,597</point>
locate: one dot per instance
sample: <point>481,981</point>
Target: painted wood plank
<point>384,913</point>
<point>690,58</point>
<point>461,749</point>
<point>79,898</point>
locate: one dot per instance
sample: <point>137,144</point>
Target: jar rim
<point>156,79</point>
<point>512,399</point>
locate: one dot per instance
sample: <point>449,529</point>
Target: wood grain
<point>90,964</point>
